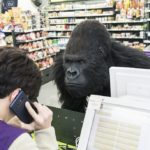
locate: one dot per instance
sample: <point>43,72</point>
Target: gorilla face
<point>75,79</point>
<point>85,60</point>
<point>85,75</point>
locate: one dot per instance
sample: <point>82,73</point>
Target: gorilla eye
<point>67,61</point>
<point>81,61</point>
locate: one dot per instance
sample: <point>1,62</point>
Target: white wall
<point>27,5</point>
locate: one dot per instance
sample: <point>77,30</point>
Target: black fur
<point>91,40</point>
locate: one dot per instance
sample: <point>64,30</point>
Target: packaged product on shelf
<point>2,40</point>
<point>9,40</point>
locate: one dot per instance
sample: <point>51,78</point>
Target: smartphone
<point>18,107</point>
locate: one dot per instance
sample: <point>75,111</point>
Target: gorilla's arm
<point>124,56</point>
<point>68,102</point>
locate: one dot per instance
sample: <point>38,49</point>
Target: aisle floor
<point>49,95</point>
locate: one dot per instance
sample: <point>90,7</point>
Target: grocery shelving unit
<point>64,18</point>
<point>147,15</point>
<point>60,19</point>
<point>63,21</point>
<point>128,31</point>
<point>28,32</point>
<point>41,49</point>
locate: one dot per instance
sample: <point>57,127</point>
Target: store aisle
<point>49,95</point>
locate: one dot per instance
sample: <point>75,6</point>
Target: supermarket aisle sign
<point>8,4</point>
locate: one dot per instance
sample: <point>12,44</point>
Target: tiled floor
<point>49,95</point>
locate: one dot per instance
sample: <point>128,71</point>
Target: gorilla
<point>83,68</point>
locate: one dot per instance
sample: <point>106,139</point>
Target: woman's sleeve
<point>44,140</point>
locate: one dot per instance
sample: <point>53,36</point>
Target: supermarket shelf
<point>37,49</point>
<point>45,57</point>
<point>28,31</point>
<point>129,38</point>
<point>64,23</point>
<point>104,22</point>
<point>80,16</point>
<point>59,36</point>
<point>27,41</point>
<point>123,22</point>
<point>74,18</point>
<point>125,30</point>
<point>38,39</point>
<point>5,31</point>
<point>75,9</point>
<point>59,30</point>
<point>103,7</point>
<point>147,41</point>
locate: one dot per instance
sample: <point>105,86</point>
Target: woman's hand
<point>42,118</point>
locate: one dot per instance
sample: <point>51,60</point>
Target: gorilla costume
<point>83,69</point>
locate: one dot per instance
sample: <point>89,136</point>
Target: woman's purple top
<point>8,134</point>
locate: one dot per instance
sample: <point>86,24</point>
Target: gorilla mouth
<point>76,90</point>
<point>74,85</point>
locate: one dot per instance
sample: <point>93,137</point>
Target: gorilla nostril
<point>72,73</point>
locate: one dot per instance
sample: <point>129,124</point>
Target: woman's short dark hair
<point>17,70</point>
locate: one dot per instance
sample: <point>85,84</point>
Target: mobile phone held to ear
<point>18,107</point>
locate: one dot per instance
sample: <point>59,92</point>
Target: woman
<point>17,71</point>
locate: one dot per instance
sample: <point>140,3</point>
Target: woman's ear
<point>14,94</point>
